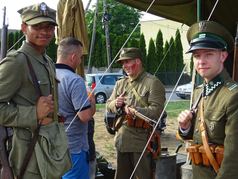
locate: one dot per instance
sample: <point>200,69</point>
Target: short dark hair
<point>67,46</point>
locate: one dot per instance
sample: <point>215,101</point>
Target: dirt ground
<point>105,142</point>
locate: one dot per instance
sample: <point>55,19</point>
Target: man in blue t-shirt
<point>74,106</point>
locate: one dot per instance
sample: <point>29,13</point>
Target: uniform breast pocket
<point>144,96</point>
<point>215,122</point>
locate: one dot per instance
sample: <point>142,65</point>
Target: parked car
<point>102,84</point>
<point>184,91</point>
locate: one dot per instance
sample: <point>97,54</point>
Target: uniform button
<point>196,130</point>
<point>199,119</point>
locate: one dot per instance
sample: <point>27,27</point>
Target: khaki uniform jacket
<point>18,99</point>
<point>71,22</point>
<point>152,92</point>
<point>221,118</point>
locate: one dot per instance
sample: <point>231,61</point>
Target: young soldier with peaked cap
<point>145,93</point>
<point>218,108</point>
<point>23,107</point>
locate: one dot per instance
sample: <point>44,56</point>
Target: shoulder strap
<point>205,139</point>
<point>138,98</point>
<point>36,132</point>
<point>33,75</point>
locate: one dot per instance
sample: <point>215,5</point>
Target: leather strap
<point>36,132</point>
<point>209,154</point>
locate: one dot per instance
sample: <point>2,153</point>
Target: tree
<point>121,18</point>
<point>178,51</point>
<point>142,47</point>
<point>159,51</point>
<point>151,57</point>
<point>52,50</point>
<point>10,40</point>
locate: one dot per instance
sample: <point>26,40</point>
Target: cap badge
<point>123,52</point>
<point>202,25</point>
<point>43,9</point>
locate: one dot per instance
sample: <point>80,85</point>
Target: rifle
<point>6,171</point>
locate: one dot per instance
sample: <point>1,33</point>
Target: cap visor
<point>122,58</point>
<point>40,20</point>
<point>204,45</point>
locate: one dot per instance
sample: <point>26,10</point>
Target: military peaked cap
<point>209,35</point>
<point>129,54</point>
<point>38,13</point>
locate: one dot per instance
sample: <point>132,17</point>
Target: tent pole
<point>106,18</point>
<point>93,38</point>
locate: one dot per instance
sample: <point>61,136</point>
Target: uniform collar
<point>212,85</point>
<point>31,51</point>
<point>138,77</point>
<point>64,66</point>
<point>27,47</point>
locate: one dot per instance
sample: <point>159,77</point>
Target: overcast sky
<point>13,18</point>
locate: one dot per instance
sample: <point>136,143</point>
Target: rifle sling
<point>36,132</point>
<point>205,139</point>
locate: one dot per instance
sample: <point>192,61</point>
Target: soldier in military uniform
<point>217,108</point>
<point>145,93</point>
<point>25,103</point>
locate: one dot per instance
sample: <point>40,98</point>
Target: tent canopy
<point>185,11</point>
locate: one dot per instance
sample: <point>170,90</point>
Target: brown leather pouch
<point>205,159</point>
<point>194,154</point>
<point>219,154</point>
<point>137,122</point>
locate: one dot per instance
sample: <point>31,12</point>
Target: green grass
<point>173,108</point>
<point>100,106</point>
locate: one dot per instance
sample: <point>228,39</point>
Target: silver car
<point>184,91</point>
<point>102,84</point>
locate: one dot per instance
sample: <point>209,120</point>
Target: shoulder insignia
<point>231,85</point>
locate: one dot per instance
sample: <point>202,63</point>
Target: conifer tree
<point>159,52</point>
<point>151,57</point>
<point>142,47</point>
<point>179,52</point>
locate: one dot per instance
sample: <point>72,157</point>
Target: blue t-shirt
<point>72,98</point>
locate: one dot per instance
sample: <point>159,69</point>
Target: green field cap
<point>129,54</point>
<point>38,13</point>
<point>209,35</point>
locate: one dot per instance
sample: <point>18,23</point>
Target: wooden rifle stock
<point>235,60</point>
<point>6,171</point>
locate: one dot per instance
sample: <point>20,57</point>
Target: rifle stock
<point>6,171</point>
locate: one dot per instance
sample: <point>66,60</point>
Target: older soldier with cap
<point>144,93</point>
<point>28,100</point>
<point>212,124</point>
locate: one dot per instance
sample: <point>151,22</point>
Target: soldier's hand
<point>185,118</point>
<point>44,106</point>
<point>46,120</point>
<point>129,110</point>
<point>120,101</point>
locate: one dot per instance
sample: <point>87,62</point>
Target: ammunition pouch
<point>198,155</point>
<point>133,121</point>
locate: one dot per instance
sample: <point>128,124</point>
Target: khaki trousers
<point>126,162</point>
